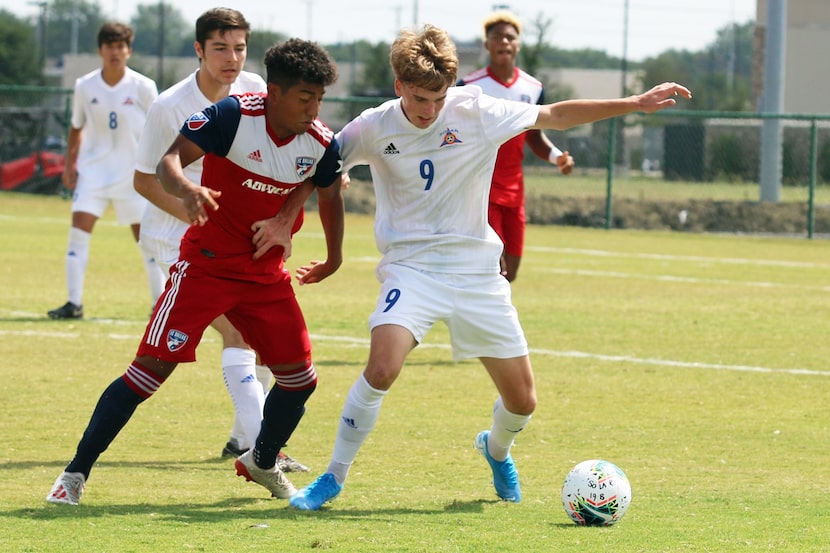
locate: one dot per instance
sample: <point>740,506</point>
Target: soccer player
<point>503,79</point>
<point>431,153</point>
<point>262,155</point>
<point>109,107</point>
<point>221,45</point>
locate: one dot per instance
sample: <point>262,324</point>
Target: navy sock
<point>280,416</point>
<point>115,407</point>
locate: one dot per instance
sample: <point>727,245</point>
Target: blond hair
<point>427,59</point>
<point>501,17</point>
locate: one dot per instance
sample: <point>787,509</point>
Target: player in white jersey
<point>431,153</point>
<point>221,45</point>
<point>109,108</point>
<point>503,79</point>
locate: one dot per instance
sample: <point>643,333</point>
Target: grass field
<point>697,363</point>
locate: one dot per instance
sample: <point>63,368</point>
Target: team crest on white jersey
<point>196,121</point>
<point>304,165</point>
<point>450,138</point>
<point>175,339</point>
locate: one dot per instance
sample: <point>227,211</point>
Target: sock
<point>284,407</point>
<point>360,412</point>
<point>77,256</point>
<point>156,277</point>
<point>246,393</point>
<point>115,407</point>
<point>503,432</point>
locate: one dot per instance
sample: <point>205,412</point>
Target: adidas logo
<point>390,150</point>
<point>256,156</point>
<point>349,422</point>
<point>248,378</point>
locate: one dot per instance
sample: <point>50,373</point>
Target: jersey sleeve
<point>505,119</point>
<point>78,113</point>
<point>350,139</point>
<point>329,167</point>
<point>214,128</point>
<point>158,134</point>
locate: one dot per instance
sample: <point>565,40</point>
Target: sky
<point>653,26</point>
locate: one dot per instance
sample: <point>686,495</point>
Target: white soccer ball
<point>596,493</point>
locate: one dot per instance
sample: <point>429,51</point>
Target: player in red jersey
<point>263,154</point>
<point>503,79</point>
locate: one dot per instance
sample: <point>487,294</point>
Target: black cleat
<point>67,311</point>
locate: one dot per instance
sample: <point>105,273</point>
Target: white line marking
<point>695,258</point>
<point>364,342</point>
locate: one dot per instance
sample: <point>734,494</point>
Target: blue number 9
<point>427,172</point>
<point>392,298</point>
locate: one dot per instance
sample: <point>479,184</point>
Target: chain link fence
<point>678,169</point>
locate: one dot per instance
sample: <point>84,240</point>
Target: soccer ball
<point>596,493</point>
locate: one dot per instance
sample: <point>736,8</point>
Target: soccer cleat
<point>67,311</point>
<point>289,464</point>
<point>505,475</point>
<point>313,496</point>
<point>68,488</point>
<point>232,449</point>
<point>273,479</point>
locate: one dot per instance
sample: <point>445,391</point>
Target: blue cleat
<point>313,496</point>
<point>505,475</point>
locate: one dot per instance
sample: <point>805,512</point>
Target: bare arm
<point>170,174</point>
<point>570,113</point>
<point>149,186</point>
<point>73,146</point>
<point>541,145</point>
<point>332,215</point>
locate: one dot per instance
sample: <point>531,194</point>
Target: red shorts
<point>509,224</point>
<point>267,315</point>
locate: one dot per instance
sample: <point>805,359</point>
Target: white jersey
<point>112,118</point>
<point>432,185</point>
<point>166,117</point>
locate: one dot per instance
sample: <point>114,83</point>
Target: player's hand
<point>197,200</point>
<point>661,96</point>
<point>345,181</point>
<point>315,272</point>
<point>565,163</point>
<point>69,178</point>
<point>274,231</point>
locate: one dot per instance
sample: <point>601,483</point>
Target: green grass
<point>696,363</point>
<point>593,183</point>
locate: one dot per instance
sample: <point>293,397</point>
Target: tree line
<point>720,74</point>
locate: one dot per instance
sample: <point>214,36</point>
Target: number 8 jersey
<point>432,185</point>
<point>112,118</point>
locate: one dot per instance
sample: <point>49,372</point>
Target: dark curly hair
<point>295,60</point>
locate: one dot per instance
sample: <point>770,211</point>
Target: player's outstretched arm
<point>570,113</point>
<point>541,145</point>
<point>332,215</point>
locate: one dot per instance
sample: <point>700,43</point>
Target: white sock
<point>77,256</point>
<point>246,393</point>
<point>360,412</point>
<point>505,427</point>
<point>156,277</point>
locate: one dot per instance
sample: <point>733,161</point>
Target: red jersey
<point>255,171</point>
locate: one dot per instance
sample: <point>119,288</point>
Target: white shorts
<point>164,251</point>
<point>477,309</point>
<point>128,205</point>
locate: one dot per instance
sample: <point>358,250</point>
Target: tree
<point>72,24</point>
<point>148,22</point>
<point>720,75</point>
<point>260,42</point>
<point>19,63</point>
<point>531,55</point>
